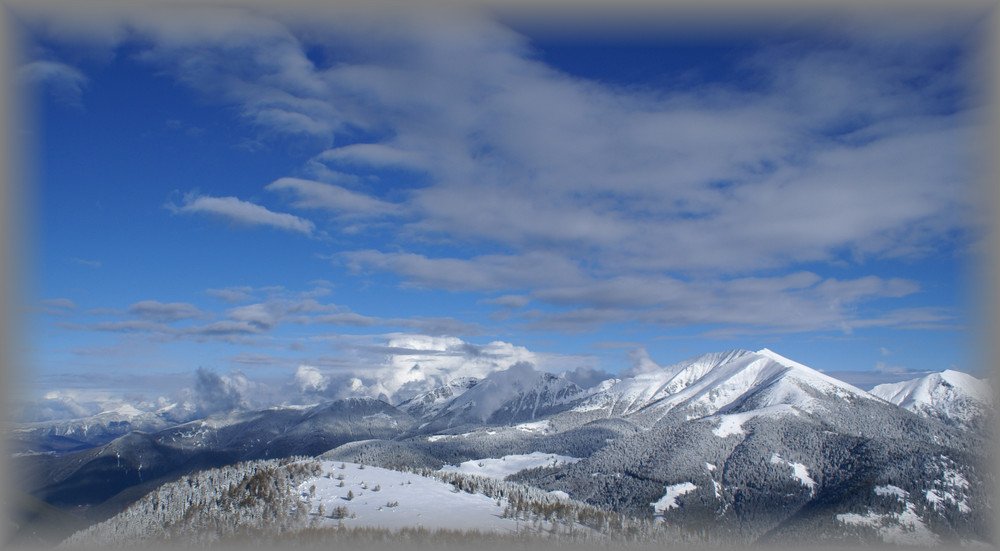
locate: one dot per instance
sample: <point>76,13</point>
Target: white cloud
<point>318,195</point>
<point>243,212</point>
<point>641,363</point>
<point>372,154</point>
<point>416,363</point>
<point>310,379</point>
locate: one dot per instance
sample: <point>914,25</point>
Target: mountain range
<point>751,446</point>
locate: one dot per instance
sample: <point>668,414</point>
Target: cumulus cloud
<point>310,379</point>
<point>587,377</point>
<point>418,363</point>
<point>243,212</point>
<point>54,405</point>
<point>215,393</point>
<point>641,363</point>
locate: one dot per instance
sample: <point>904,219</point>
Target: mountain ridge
<point>752,443</point>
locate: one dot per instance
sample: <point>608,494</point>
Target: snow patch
<point>904,528</point>
<point>799,471</point>
<point>669,499</point>
<point>732,423</point>
<point>538,426</point>
<point>890,490</point>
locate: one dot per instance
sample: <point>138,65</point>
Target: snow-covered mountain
<point>519,393</point>
<point>430,403</point>
<point>718,383</point>
<point>65,435</point>
<point>950,395</point>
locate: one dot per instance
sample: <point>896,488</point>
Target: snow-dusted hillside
<point>329,499</point>
<point>948,395</point>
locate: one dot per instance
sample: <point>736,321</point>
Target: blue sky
<point>279,197</point>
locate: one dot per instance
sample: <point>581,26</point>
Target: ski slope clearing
<point>358,495</point>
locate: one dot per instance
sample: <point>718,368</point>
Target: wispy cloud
<point>232,294</point>
<point>90,263</point>
<point>66,82</point>
<point>243,212</point>
<point>164,312</point>
<point>62,303</point>
<point>177,321</point>
<point>481,273</point>
<point>317,195</point>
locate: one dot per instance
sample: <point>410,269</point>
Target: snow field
<point>401,500</point>
<point>508,464</point>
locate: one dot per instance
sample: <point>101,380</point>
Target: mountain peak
<point>947,394</point>
<point>708,383</point>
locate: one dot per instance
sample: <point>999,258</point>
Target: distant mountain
<point>91,477</point>
<point>430,403</point>
<point>949,395</point>
<point>519,393</point>
<point>67,435</point>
